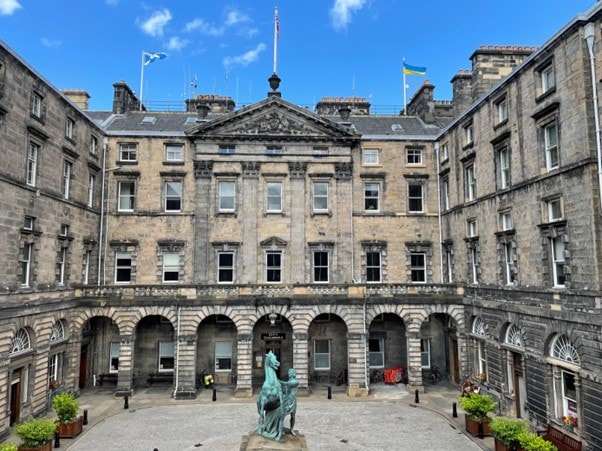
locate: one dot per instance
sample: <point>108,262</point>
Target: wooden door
<point>83,367</point>
<point>15,397</point>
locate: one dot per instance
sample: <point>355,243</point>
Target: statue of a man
<point>289,397</point>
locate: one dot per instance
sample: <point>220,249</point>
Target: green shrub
<point>533,442</point>
<point>507,430</point>
<point>65,405</point>
<point>35,432</point>
<point>477,406</point>
<point>8,447</point>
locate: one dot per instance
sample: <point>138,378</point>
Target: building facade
<point>147,247</point>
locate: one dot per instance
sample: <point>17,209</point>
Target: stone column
<point>244,355</point>
<point>414,361</point>
<point>342,209</point>
<point>298,172</point>
<point>126,365</point>
<point>73,356</point>
<point>4,407</point>
<point>203,172</point>
<point>186,367</point>
<point>356,371</point>
<point>38,373</point>
<point>301,361</point>
<point>248,210</point>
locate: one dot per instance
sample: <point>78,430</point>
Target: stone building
<point>146,247</point>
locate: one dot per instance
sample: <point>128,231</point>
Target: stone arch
<point>77,321</point>
<point>167,312</point>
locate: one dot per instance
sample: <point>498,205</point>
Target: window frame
<point>445,196</point>
<point>425,353</point>
<point>273,266</point>
<point>370,157</point>
<point>221,353</point>
<point>32,163</point>
<point>69,128</point>
<point>414,153</point>
<point>62,266</point>
<point>170,268</point>
<point>93,145</point>
<point>91,186</point>
<point>373,269</point>
<point>318,267</point>
<point>506,221</point>
<point>122,269</point>
<point>129,198</point>
<point>273,198</point>
<point>558,261</point>
<point>417,269</point>
<point>129,150</point>
<point>221,197</point>
<point>114,351</point>
<point>551,149</point>
<point>67,174</point>
<point>504,166</point>
<point>470,182</point>
<point>26,264</point>
<point>554,210</point>
<point>380,354</point>
<point>317,197</point>
<point>547,78</point>
<point>468,134</point>
<point>322,357</point>
<point>174,152</point>
<point>370,198</point>
<point>223,269</point>
<point>164,355</point>
<point>227,149</point>
<point>509,254</point>
<point>501,108</point>
<point>36,107</point>
<point>171,198</point>
<point>413,198</point>
<point>474,265</point>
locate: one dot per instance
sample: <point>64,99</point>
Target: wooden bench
<point>159,378</point>
<point>109,377</point>
<point>560,439</point>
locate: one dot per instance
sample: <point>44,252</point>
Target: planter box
<point>71,430</point>
<point>45,447</point>
<point>472,427</point>
<point>501,447</point>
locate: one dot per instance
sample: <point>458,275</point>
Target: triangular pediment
<point>273,118</point>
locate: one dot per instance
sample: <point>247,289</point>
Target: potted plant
<point>533,442</point>
<point>8,447</point>
<point>505,433</point>
<point>36,434</point>
<point>66,406</point>
<point>477,406</point>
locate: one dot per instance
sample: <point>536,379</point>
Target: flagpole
<point>405,88</point>
<point>141,79</point>
<point>275,37</point>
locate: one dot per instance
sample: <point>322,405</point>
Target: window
<point>171,267</point>
<point>554,210</point>
<point>227,196</point>
<point>501,109</point>
<point>225,267</point>
<point>274,197</point>
<point>376,348</point>
<point>371,197</point>
<point>468,134</point>
<point>370,156</point>
<point>26,262</point>
<point>471,228</point>
<point>114,357</point>
<point>273,266</point>
<point>418,267</point>
<point>320,260</point>
<point>53,368</point>
<point>274,150</point>
<point>481,359</point>
<point>227,150</point>
<point>449,274</point>
<point>322,355</point>
<point>373,267</point>
<point>91,185</point>
<point>87,262</point>
<point>62,266</point>
<point>127,151</point>
<point>551,145</point>
<point>29,223</point>
<point>470,182</point>
<point>223,356</point>
<point>67,169</point>
<point>504,171</point>
<point>557,252</point>
<point>174,152</point>
<point>416,198</point>
<point>20,342</point>
<point>166,357</point>
<point>425,352</point>
<point>414,156</point>
<point>93,145</point>
<point>320,196</point>
<point>444,152</point>
<point>36,105</point>
<point>32,163</point>
<point>123,267</point>
<point>445,193</point>
<point>69,126</point>
<point>127,195</point>
<point>509,263</point>
<point>548,79</point>
<point>64,230</point>
<point>474,265</point>
<point>149,120</point>
<point>173,196</point>
<point>320,151</point>
<point>506,220</point>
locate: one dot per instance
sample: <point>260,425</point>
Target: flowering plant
<point>569,422</point>
<point>482,378</point>
<point>54,384</point>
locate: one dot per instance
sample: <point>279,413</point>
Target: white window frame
<point>445,194</point>
<point>62,266</point>
<point>87,261</point>
<point>413,156</point>
<point>557,249</point>
<point>67,171</point>
<point>376,358</point>
<point>321,359</point>
<point>32,163</point>
<point>425,353</point>
<point>372,268</point>
<point>504,161</point>
<point>319,267</point>
<point>501,108</point>
<point>226,196</point>
<point>444,152</point>
<point>166,352</point>
<point>471,182</point>
<point>93,145</point>
<point>481,357</point>
<point>370,157</point>
<point>414,197</point>
<point>274,197</point>
<point>54,365</point>
<point>69,127</point>
<point>273,269</point>
<point>173,195</point>
<point>506,220</point>
<point>227,150</point>
<point>370,197</point>
<point>128,152</point>
<point>550,132</point>
<point>126,201</point>
<point>114,350</point>
<point>223,268</point>
<point>417,267</point>
<point>36,104</point>
<point>223,355</point>
<point>174,152</point>
<point>274,150</point>
<point>320,194</point>
<point>471,228</point>
<point>554,210</point>
<point>171,268</point>
<point>509,263</point>
<point>474,267</point>
<point>468,134</point>
<point>123,256</point>
<point>91,185</point>
<point>548,78</point>
<point>26,264</point>
<point>449,265</point>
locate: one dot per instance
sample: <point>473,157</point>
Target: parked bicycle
<point>435,374</point>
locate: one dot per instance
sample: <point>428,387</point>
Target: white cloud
<point>112,2</point>
<point>235,17</point>
<point>176,43</point>
<point>205,28</point>
<point>51,43</point>
<point>157,21</point>
<point>7,7</point>
<point>340,13</point>
<point>246,58</point>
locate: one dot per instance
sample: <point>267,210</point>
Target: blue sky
<point>328,48</point>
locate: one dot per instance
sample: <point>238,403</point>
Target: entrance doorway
<point>83,367</point>
<point>15,397</point>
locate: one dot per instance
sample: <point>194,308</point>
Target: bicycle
<point>435,375</point>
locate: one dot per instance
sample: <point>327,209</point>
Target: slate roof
<point>393,127</point>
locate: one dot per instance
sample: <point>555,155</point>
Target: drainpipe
<point>105,143</point>
<point>175,392</point>
<point>365,348</point>
<point>589,39</point>
<point>439,214</point>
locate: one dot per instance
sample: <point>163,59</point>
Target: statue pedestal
<point>255,442</point>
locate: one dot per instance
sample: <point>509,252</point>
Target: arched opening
<point>216,349</point>
<point>272,332</point>
<point>154,352</point>
<point>439,349</point>
<point>328,350</point>
<point>387,347</point>
<point>99,352</point>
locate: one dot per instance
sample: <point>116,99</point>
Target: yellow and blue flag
<point>413,70</point>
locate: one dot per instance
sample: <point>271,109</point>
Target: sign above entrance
<point>273,336</point>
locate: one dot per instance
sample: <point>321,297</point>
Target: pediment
<point>273,242</point>
<point>273,118</point>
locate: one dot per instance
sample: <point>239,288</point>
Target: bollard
<point>85,416</point>
<point>57,439</point>
<point>416,397</point>
<point>481,433</point>
<point>214,394</point>
<point>454,410</point>
<point>329,392</point>
<point>126,402</point>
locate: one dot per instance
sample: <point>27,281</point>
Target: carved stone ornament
<point>250,169</point>
<point>297,169</point>
<point>273,123</point>
<point>203,169</point>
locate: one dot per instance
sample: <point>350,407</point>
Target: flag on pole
<point>277,22</point>
<point>150,57</point>
<point>413,70</point>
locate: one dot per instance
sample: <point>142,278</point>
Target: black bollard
<point>454,410</point>
<point>481,433</point>
<point>85,416</point>
<point>416,397</point>
<point>329,392</point>
<point>214,394</point>
<point>57,439</point>
<point>126,402</point>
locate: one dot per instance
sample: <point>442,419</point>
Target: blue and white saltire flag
<point>150,57</point>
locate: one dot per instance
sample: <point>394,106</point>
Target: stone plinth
<point>255,442</point>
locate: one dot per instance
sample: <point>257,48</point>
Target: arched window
<point>563,349</point>
<point>20,342</point>
<point>478,326</point>
<point>480,359</point>
<point>565,363</point>
<point>514,337</point>
<point>58,331</point>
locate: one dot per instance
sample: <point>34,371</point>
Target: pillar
<point>244,379</point>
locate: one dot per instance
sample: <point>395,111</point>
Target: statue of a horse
<point>269,403</point>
